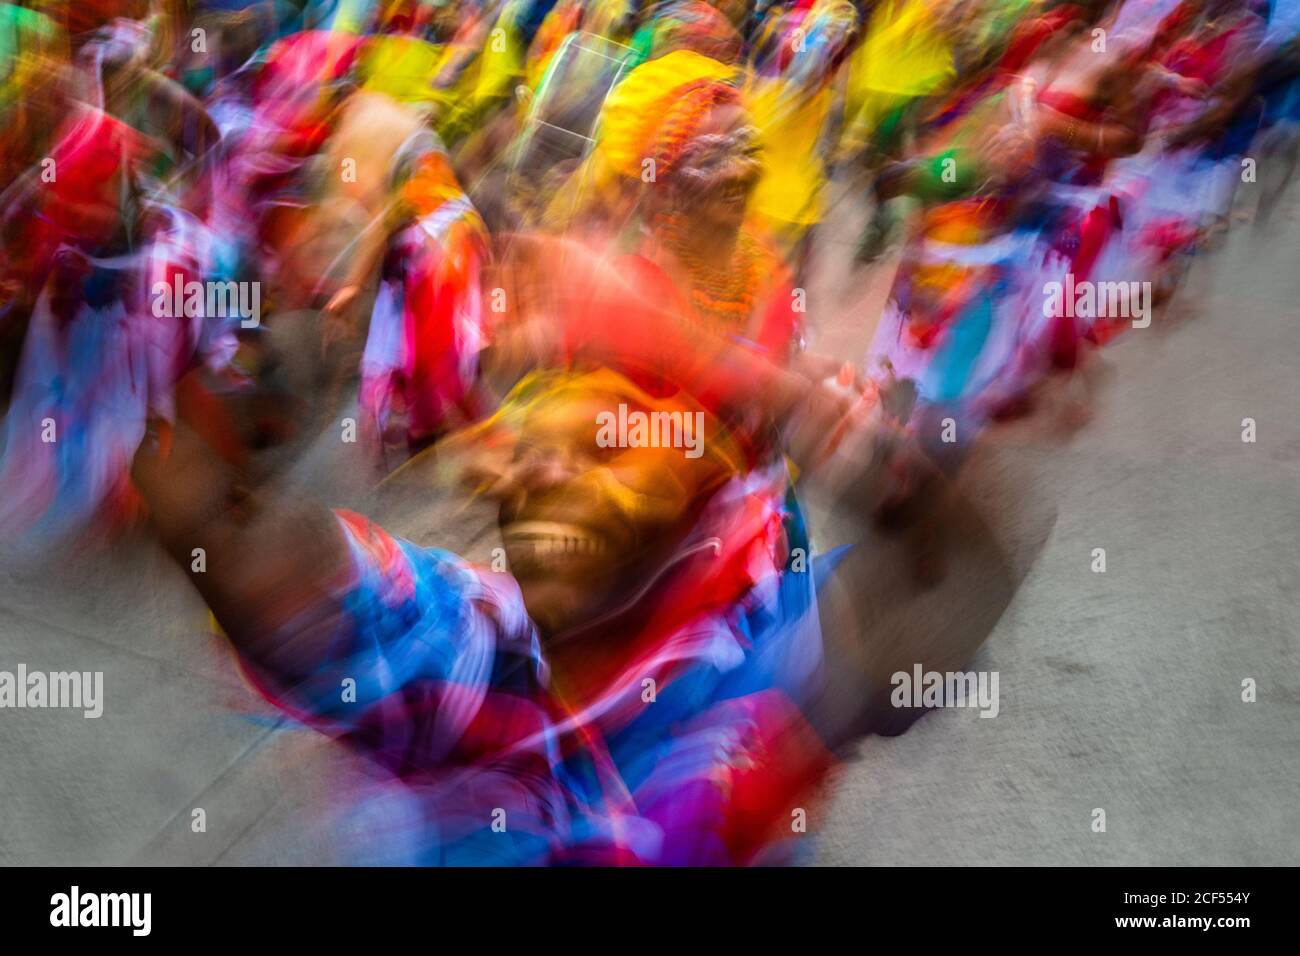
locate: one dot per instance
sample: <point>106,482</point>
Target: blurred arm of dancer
<point>567,305</point>
<point>270,559</point>
<point>1222,105</point>
<point>1109,138</point>
<point>281,571</point>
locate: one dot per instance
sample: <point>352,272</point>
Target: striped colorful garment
<point>98,359</point>
<point>950,323</point>
<point>97,363</point>
<point>695,753</point>
<point>426,327</point>
<point>952,320</point>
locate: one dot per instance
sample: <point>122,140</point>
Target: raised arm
<point>265,564</point>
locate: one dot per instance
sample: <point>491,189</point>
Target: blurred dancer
<point>425,331</point>
<point>792,99</point>
<point>641,689</point>
<point>99,358</point>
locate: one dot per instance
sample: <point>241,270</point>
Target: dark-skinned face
<point>586,527</point>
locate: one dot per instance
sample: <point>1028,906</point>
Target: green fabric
<point>930,183</point>
<point>21,28</point>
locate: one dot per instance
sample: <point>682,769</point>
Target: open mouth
<point>732,185</point>
<point>734,192</point>
<point>539,542</point>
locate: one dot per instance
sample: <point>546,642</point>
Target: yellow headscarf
<point>635,108</point>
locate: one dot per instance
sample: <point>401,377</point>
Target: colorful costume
<point>426,327</point>
<point>696,752</point>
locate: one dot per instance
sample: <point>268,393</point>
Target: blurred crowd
<point>480,226</point>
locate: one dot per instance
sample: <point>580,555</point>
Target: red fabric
<point>93,150</point>
<point>1031,34</point>
<point>786,762</point>
<point>1094,232</point>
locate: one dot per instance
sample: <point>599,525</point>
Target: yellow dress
<point>903,56</point>
<point>401,67</point>
<point>789,196</point>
